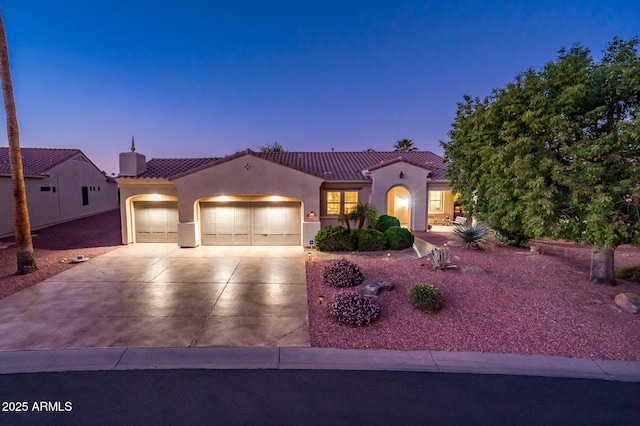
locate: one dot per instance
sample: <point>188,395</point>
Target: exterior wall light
<point>311,214</point>
<point>401,175</point>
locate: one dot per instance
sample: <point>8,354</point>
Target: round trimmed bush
<point>370,240</point>
<point>385,222</point>
<point>334,238</point>
<point>354,309</point>
<point>398,238</point>
<point>425,297</point>
<point>342,273</point>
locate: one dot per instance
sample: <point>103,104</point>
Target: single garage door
<point>243,223</point>
<point>156,221</point>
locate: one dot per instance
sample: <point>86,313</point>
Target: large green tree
<point>556,153</point>
<point>24,245</point>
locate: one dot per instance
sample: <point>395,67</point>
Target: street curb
<point>121,359</point>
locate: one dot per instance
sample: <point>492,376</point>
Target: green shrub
<point>425,297</point>
<point>385,222</point>
<point>510,238</point>
<point>398,238</point>
<point>472,236</point>
<point>354,309</point>
<point>370,240</point>
<point>342,273</point>
<point>334,238</point>
<point>631,273</point>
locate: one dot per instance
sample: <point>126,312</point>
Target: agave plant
<point>440,259</point>
<point>472,236</point>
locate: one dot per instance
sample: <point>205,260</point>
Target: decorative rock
<point>374,287</point>
<point>628,302</point>
<point>472,269</point>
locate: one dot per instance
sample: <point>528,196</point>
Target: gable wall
<point>246,175</point>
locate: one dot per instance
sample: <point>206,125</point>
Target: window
<point>85,195</point>
<point>333,202</point>
<point>341,202</point>
<point>350,201</point>
<point>435,201</point>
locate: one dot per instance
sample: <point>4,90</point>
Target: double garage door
<point>250,223</point>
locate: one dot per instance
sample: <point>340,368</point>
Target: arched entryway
<point>399,205</point>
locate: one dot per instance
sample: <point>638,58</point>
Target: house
<point>61,185</point>
<point>277,198</point>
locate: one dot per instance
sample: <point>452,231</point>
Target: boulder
<point>628,302</point>
<point>374,287</point>
<point>473,270</point>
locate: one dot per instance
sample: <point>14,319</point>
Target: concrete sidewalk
<point>314,359</point>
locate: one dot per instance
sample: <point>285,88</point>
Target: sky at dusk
<point>209,78</point>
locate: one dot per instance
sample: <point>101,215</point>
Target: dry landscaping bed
<point>502,300</point>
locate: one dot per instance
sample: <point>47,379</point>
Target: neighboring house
<point>61,185</point>
<point>278,198</point>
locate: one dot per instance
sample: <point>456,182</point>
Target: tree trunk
<point>22,226</point>
<point>602,267</point>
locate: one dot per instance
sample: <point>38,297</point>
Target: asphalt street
<point>311,397</point>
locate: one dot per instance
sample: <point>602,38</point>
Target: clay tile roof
<point>336,166</point>
<point>350,165</point>
<point>36,161</point>
<point>167,167</point>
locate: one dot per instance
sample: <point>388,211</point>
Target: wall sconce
<point>401,175</point>
<point>311,214</point>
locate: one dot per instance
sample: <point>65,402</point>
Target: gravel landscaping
<point>502,300</point>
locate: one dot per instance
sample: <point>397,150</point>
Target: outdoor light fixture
<point>320,300</point>
<point>309,256</point>
<point>388,256</point>
<point>311,214</point>
<point>401,175</point>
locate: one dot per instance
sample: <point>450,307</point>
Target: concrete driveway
<point>146,295</point>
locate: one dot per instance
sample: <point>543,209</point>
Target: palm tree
<point>22,226</point>
<point>361,214</point>
<point>404,145</point>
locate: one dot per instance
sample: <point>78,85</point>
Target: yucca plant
<point>472,236</point>
<point>440,259</point>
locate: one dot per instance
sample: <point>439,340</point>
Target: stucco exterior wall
<point>364,196</point>
<point>63,201</point>
<point>414,179</point>
<point>251,176</point>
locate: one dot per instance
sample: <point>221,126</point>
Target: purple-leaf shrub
<point>354,309</point>
<point>342,273</point>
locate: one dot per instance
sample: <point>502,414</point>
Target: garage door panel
<point>156,222</point>
<point>250,223</point>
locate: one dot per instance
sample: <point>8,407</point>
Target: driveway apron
<point>146,295</point>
